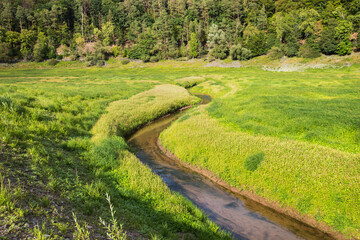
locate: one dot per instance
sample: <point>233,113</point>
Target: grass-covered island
<point>285,130</point>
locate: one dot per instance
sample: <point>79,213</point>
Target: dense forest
<point>150,30</point>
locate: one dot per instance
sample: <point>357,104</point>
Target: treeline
<point>163,29</point>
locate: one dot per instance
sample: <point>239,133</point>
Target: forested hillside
<point>161,29</point>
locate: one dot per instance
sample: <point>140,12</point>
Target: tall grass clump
<point>125,116</point>
<point>253,161</point>
<point>189,82</point>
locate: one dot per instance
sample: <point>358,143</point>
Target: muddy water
<point>244,218</point>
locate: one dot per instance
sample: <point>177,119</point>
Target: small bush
<point>220,52</point>
<point>275,53</point>
<point>100,63</point>
<point>253,161</point>
<point>307,51</point>
<point>5,51</point>
<point>145,58</point>
<point>240,53</point>
<point>89,64</point>
<point>125,61</point>
<point>52,62</point>
<point>154,59</point>
<point>116,51</point>
<point>344,48</point>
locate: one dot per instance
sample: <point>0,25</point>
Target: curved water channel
<point>244,218</point>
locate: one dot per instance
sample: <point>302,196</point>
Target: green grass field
<point>58,145</point>
<point>290,137</point>
<point>62,134</point>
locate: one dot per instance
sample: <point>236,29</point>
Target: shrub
<point>116,51</point>
<point>357,45</point>
<point>344,48</point>
<point>253,161</point>
<point>290,49</point>
<point>51,52</point>
<point>240,53</point>
<point>52,62</point>
<point>135,53</point>
<point>5,51</point>
<point>100,63</point>
<point>193,46</point>
<point>256,43</point>
<point>40,51</point>
<point>125,61</point>
<point>328,43</point>
<point>306,51</point>
<point>145,58</point>
<point>275,53</point>
<point>183,50</point>
<point>220,52</point>
<point>125,52</point>
<point>173,53</point>
<point>63,50</point>
<point>154,59</point>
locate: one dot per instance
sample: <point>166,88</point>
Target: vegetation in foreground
<point>48,113</point>
<point>47,154</point>
<point>292,138</point>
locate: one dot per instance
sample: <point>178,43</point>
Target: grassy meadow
<point>290,137</point>
<point>62,147</point>
<point>60,156</point>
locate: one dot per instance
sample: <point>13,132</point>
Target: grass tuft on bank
<point>189,82</point>
<point>125,116</point>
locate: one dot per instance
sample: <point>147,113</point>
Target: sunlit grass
<point>299,129</point>
<point>125,116</point>
<point>47,116</point>
<point>316,180</point>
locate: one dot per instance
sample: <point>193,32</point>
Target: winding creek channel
<point>242,217</point>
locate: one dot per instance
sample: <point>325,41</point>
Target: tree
<point>41,48</point>
<point>261,20</point>
<point>255,40</point>
<point>309,18</point>
<point>7,14</point>
<point>13,38</point>
<point>328,43</point>
<point>217,42</point>
<point>21,16</point>
<point>27,39</point>
<point>287,31</point>
<point>193,46</point>
<point>108,33</point>
<point>344,48</point>
<point>145,45</point>
<point>343,31</point>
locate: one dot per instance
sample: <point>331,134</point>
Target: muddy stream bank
<point>242,217</point>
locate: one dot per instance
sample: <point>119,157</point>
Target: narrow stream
<point>244,218</point>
